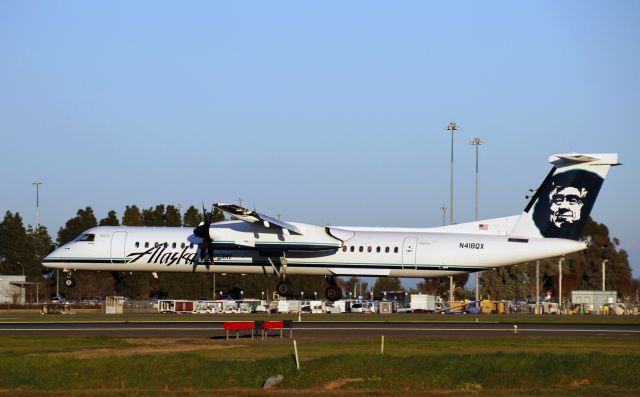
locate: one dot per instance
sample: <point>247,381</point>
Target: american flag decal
<point>483,226</point>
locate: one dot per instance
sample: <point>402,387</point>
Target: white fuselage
<point>241,247</point>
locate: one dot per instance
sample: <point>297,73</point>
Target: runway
<point>324,329</point>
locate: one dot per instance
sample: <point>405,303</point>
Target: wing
<point>251,216</point>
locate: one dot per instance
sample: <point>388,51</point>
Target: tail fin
<point>562,204</point>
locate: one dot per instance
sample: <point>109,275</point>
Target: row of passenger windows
<point>352,248</point>
<point>166,245</point>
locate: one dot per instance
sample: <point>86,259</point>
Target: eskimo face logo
<point>566,205</point>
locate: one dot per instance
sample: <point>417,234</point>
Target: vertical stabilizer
<point>562,204</point>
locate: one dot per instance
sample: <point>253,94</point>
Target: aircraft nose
<point>53,257</point>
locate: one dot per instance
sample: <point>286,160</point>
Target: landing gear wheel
<point>285,288</point>
<point>333,293</point>
<point>69,282</point>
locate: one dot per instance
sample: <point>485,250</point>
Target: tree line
<point>23,248</point>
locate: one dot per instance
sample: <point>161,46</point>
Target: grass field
<point>515,365</point>
<point>93,315</point>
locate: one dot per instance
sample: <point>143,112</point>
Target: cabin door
<point>409,253</point>
<point>118,241</point>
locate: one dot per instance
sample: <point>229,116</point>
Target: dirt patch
<point>579,382</point>
<point>472,387</point>
<point>146,346</point>
<point>338,383</point>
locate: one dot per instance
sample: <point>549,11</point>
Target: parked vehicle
<point>423,303</point>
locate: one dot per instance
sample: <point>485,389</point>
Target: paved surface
<point>341,329</point>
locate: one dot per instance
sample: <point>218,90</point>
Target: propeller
<point>202,231</point>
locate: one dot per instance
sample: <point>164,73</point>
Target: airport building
<point>594,300</point>
<point>12,289</point>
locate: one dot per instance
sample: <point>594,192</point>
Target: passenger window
<point>173,245</point>
<point>361,249</point>
<point>344,248</point>
<point>395,250</point>
<point>137,244</point>
<point>191,245</point>
<point>156,244</point>
<point>166,245</point>
<point>352,248</point>
<point>378,249</point>
<point>146,244</point>
<point>182,245</point>
<point>386,250</point>
<point>369,249</point>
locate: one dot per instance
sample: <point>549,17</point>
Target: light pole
<point>560,283</point>
<point>37,184</point>
<point>516,277</point>
<point>537,287</point>
<point>452,127</point>
<point>604,263</point>
<point>477,142</point>
<point>444,213</point>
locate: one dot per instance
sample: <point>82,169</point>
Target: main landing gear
<point>285,287</point>
<point>333,292</point>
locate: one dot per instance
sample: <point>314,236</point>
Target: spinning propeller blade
<point>202,231</point>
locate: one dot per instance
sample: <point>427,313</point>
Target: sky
<point>325,112</point>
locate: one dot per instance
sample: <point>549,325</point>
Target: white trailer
<point>286,306</point>
<point>176,306</point>
<point>423,303</point>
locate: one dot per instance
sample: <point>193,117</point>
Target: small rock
<point>274,380</point>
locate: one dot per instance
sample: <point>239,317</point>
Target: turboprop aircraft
<point>252,242</point>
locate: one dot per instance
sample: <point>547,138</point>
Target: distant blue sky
<point>326,112</point>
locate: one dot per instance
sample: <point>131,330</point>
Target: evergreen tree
<point>388,284</point>
<point>110,220</point>
<point>132,216</point>
<point>134,286</point>
<point>15,248</point>
<point>439,286</point>
<point>218,216</point>
<point>153,216</point>
<point>192,217</point>
<point>172,216</point>
<point>41,245</point>
<point>504,282</point>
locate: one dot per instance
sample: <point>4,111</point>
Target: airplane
<point>254,243</point>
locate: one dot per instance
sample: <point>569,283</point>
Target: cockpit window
<point>86,237</point>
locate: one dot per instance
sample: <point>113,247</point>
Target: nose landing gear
<point>69,281</point>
